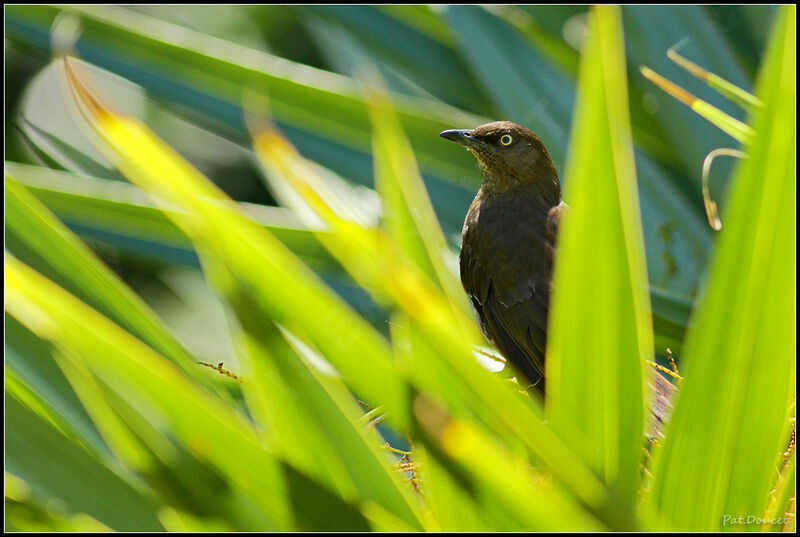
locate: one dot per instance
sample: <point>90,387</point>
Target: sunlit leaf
<point>42,233</point>
<point>719,455</point>
<point>600,316</point>
<point>733,127</point>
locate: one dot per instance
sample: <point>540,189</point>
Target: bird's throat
<point>546,185</point>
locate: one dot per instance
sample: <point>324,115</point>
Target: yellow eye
<point>506,139</point>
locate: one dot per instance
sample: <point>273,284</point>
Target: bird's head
<point>509,155</point>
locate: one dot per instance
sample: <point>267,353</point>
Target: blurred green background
<point>185,72</point>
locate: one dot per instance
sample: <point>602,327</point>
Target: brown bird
<point>508,241</point>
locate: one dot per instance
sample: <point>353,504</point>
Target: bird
<point>508,242</point>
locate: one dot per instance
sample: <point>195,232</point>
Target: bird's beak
<point>460,136</point>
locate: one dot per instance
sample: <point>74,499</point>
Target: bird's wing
<point>519,332</point>
<point>506,270</point>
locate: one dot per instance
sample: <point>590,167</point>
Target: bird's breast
<point>506,244</point>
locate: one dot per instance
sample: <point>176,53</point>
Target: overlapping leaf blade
<point>327,119</point>
<point>74,263</point>
<point>409,215</point>
<point>307,101</point>
<point>236,253</point>
<point>719,455</point>
<point>650,32</point>
<point>197,417</point>
<point>431,337</point>
<point>594,369</point>
<point>36,452</point>
<point>123,215</point>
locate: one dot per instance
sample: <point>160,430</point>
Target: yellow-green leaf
<point>601,328</point>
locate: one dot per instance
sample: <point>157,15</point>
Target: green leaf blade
<point>72,260</point>
<point>720,451</point>
<point>600,314</point>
